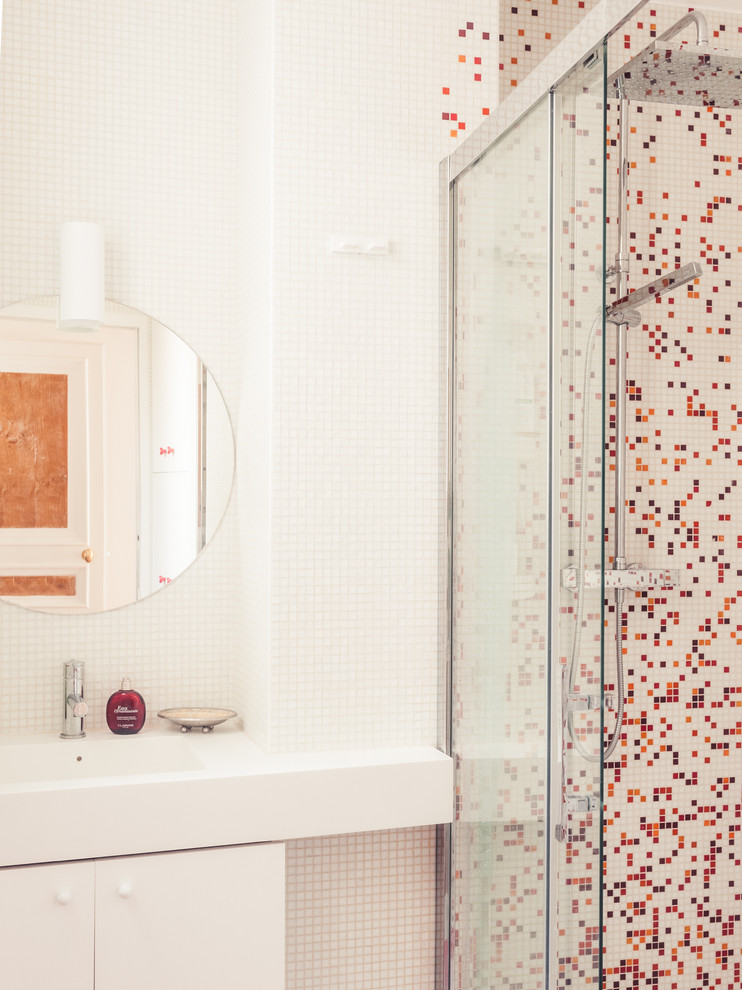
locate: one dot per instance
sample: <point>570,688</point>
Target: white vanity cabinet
<point>209,917</point>
<point>47,926</point>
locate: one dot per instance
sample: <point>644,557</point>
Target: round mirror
<point>116,459</point>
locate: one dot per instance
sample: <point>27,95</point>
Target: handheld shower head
<point>625,310</point>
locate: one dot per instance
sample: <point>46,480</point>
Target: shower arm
<point>692,17</point>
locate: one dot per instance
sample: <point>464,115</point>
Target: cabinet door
<point>210,918</point>
<point>46,926</point>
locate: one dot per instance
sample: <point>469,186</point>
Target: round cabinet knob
<point>125,889</point>
<point>87,555</point>
<point>64,897</point>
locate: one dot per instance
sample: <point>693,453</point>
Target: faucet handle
<point>79,709</point>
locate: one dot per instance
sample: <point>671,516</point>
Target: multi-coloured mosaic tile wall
<point>529,29</point>
<point>471,86</point>
<point>672,805</point>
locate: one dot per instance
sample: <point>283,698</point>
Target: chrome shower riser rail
<point>622,271</point>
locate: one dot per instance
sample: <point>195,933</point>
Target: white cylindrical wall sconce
<point>82,288</point>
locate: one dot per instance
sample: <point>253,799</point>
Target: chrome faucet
<point>73,693</point>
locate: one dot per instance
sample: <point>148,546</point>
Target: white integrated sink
<point>108,795</point>
<point>68,760</point>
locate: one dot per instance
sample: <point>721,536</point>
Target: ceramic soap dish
<point>196,718</point>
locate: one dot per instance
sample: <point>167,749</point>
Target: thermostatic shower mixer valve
<point>631,578</point>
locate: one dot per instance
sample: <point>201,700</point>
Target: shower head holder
<point>625,310</point>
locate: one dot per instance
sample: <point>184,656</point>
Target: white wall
<point>254,246</point>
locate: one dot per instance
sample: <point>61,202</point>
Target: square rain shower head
<point>683,74</point>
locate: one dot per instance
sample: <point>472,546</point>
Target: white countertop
<point>109,795</point>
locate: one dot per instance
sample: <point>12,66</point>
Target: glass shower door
<point>526,840</point>
<point>580,408</point>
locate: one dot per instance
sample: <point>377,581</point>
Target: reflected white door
<point>68,466</point>
<point>170,378</point>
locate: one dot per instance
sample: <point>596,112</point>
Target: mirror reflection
<point>116,459</point>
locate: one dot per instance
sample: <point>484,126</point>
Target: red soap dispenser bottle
<point>125,711</point>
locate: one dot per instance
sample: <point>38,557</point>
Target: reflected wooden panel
<point>39,584</point>
<point>33,451</point>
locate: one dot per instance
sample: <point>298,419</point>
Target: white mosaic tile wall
<point>122,113</point>
<point>362,911</point>
<point>363,100</point>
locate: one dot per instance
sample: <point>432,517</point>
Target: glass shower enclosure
<point>527,257</point>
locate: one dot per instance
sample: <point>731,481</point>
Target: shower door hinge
<point>582,703</point>
<point>587,702</point>
<point>573,804</point>
<point>581,804</point>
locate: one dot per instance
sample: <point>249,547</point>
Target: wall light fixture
<point>82,290</point>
